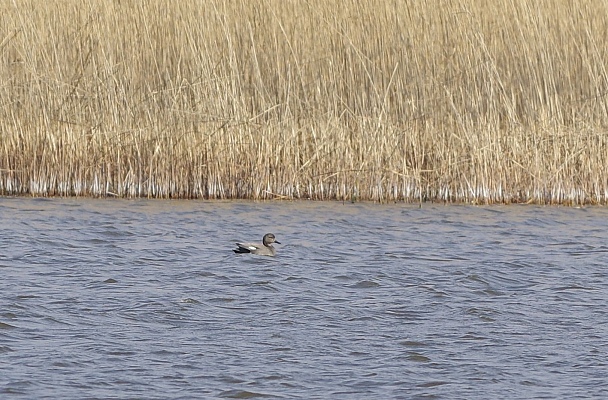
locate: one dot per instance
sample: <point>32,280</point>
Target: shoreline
<point>283,199</point>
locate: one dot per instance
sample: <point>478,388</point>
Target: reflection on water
<point>145,299</point>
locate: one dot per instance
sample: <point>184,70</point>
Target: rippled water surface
<point>145,299</point>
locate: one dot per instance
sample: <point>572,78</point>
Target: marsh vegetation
<point>360,100</point>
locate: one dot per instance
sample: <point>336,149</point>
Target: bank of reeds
<point>453,100</point>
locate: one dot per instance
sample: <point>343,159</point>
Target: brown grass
<point>389,100</point>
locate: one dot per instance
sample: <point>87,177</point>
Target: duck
<point>262,249</point>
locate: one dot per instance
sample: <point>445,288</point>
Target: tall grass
<point>451,100</point>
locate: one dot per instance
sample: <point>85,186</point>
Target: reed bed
<point>453,100</point>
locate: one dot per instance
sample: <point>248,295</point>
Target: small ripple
<point>572,288</point>
<point>432,289</point>
<point>417,357</point>
<point>244,394</point>
<point>12,390</point>
<point>364,285</point>
<point>231,379</point>
<point>27,297</point>
<point>222,299</point>
<point>189,300</point>
<point>364,319</point>
<point>433,384</point>
<point>492,293</point>
<point>476,278</point>
<point>482,314</point>
<point>473,336</point>
<point>408,314</point>
<point>413,343</point>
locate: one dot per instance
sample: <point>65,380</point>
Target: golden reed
<point>452,100</point>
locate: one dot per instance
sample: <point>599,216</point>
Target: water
<point>145,299</point>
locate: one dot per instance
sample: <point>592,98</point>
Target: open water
<point>117,299</point>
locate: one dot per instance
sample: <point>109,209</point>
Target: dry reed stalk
<point>375,100</point>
